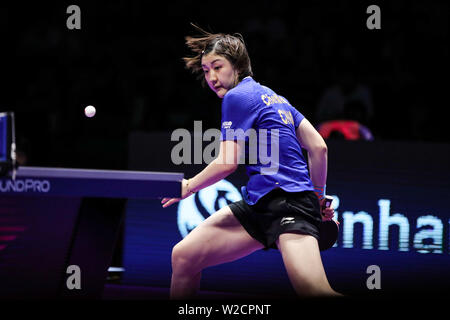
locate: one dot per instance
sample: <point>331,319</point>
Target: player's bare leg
<point>218,239</point>
<point>304,266</point>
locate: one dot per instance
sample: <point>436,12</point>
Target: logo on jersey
<point>273,99</point>
<point>226,124</point>
<point>196,208</point>
<point>286,116</point>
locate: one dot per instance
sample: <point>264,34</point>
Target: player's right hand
<point>166,202</point>
<point>327,212</point>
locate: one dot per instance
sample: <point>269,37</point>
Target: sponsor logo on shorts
<point>287,220</point>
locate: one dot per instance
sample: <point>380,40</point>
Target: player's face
<point>219,73</point>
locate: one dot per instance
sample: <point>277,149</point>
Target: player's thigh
<point>219,238</point>
<point>301,257</point>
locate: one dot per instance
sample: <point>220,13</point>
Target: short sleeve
<point>298,117</point>
<point>238,116</point>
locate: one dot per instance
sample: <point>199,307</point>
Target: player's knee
<point>184,259</point>
<point>315,289</point>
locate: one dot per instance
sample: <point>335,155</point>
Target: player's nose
<point>212,76</point>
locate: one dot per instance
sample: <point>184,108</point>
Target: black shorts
<point>279,212</point>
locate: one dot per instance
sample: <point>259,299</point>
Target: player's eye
<point>217,67</point>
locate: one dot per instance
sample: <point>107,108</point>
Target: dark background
<point>126,61</point>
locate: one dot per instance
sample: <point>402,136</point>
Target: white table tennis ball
<point>89,111</point>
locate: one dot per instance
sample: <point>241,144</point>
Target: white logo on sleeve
<point>226,124</point>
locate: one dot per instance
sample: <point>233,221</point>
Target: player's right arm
<point>221,167</point>
<point>225,164</point>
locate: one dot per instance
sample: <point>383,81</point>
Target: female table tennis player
<point>281,208</point>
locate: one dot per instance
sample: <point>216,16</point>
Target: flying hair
<point>232,47</point>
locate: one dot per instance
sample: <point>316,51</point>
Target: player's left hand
<point>166,202</point>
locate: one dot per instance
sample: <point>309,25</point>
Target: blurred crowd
<point>126,61</point>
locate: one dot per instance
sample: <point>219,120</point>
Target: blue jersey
<point>273,158</point>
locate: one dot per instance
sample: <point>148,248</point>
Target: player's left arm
<point>225,164</point>
<point>317,149</point>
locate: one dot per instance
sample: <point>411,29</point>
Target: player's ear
<point>236,76</point>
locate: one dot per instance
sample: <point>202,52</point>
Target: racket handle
<point>328,201</point>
